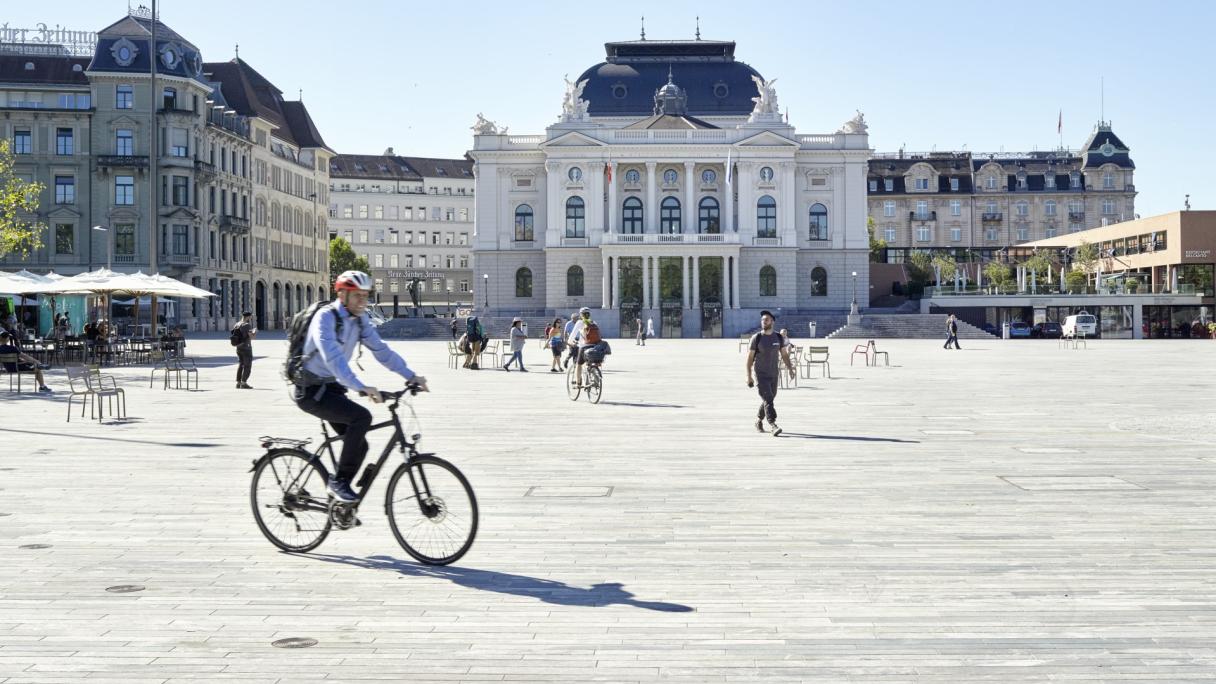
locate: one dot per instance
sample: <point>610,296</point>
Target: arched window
<point>768,282</point>
<point>766,217</point>
<point>631,212</point>
<point>819,282</point>
<point>523,223</point>
<point>819,222</point>
<point>669,216</point>
<point>576,224</point>
<point>523,282</point>
<point>707,216</point>
<point>574,281</point>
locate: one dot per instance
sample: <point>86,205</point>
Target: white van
<point>1080,324</point>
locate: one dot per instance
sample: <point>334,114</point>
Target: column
<point>690,207</point>
<point>696,282</point>
<point>604,285</point>
<point>612,203</point>
<point>725,282</point>
<point>728,216</point>
<point>686,280</point>
<point>645,282</point>
<point>734,292</point>
<point>595,199</point>
<point>787,207</point>
<point>652,211</point>
<point>657,292</point>
<point>554,223</point>
<point>747,203</point>
<point>616,282</point>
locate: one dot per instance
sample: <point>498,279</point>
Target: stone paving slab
<point>653,537</point>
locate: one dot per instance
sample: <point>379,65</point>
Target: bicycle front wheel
<point>432,510</point>
<point>572,387</point>
<point>289,501</point>
<point>595,383</point>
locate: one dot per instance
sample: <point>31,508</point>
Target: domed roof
<point>706,71</point>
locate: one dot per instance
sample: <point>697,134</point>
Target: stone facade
<point>625,206</point>
<point>984,202</point>
<point>196,152</point>
<point>412,218</point>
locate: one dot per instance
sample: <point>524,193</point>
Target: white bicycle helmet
<point>353,280</point>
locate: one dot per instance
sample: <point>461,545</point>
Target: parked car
<point>990,329</point>
<point>1019,329</point>
<point>1080,324</point>
<point>1047,330</point>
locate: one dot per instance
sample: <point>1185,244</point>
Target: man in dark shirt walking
<point>244,350</point>
<point>765,348</point>
<point>951,332</point>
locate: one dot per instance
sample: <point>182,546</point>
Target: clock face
<point>169,57</point>
<point>766,174</point>
<point>632,176</point>
<point>575,174</point>
<point>670,176</point>
<point>1107,149</point>
<point>708,176</point>
<point>124,54</point>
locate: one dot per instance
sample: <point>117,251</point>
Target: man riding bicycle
<point>334,333</point>
<point>582,337</point>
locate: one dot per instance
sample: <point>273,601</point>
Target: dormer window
<point>873,185</point>
<point>1021,180</point>
<point>921,183</point>
<point>1074,179</point>
<point>953,185</point>
<point>888,184</point>
<point>1049,181</point>
<point>990,182</point>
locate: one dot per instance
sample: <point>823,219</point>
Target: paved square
<point>655,536</point>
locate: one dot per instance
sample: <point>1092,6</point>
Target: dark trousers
<point>768,394</point>
<point>572,353</point>
<point>244,363</point>
<point>347,418</point>
<point>952,338</point>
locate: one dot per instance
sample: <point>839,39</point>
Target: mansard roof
<point>57,69</point>
<point>395,167</point>
<point>251,94</point>
<point>138,32</point>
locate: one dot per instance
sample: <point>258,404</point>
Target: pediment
<point>123,121</point>
<point>63,212</point>
<point>181,213</point>
<point>572,139</point>
<point>767,139</point>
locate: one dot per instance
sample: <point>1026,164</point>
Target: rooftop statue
<point>574,107</point>
<point>766,103</point>
<point>484,126</point>
<point>856,125</point>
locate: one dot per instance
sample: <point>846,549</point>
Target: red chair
<point>864,350</point>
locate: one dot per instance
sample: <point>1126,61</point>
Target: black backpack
<point>236,337</point>
<point>297,335</point>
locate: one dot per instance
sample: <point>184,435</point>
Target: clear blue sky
<point>412,75</point>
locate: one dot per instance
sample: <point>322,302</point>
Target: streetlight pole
<point>449,302</point>
<point>485,286</point>
<point>109,248</point>
<point>854,305</point>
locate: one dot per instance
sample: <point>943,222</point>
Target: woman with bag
<point>554,334</point>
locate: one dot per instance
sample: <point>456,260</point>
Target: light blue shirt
<point>329,354</point>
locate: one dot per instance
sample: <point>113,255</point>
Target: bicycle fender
<point>272,452</point>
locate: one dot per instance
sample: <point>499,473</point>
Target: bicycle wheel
<point>289,501</point>
<point>572,387</point>
<point>434,514</point>
<point>595,383</point>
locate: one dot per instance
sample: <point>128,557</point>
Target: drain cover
<point>125,588</point>
<point>1058,483</point>
<point>294,642</point>
<point>34,546</point>
<point>568,492</point>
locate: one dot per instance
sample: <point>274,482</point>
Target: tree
<point>1075,281</point>
<point>997,274</point>
<point>1039,265</point>
<point>18,199</point>
<point>947,267</point>
<point>343,258</point>
<point>878,246</point>
<point>919,268</point>
<point>1087,256</point>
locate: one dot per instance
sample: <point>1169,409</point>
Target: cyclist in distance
<point>579,340</point>
<point>333,335</point>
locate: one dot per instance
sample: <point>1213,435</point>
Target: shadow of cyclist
<point>549,591</point>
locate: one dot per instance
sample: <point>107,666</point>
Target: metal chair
<point>105,386</point>
<point>11,363</point>
<point>817,356</point>
<point>78,386</point>
<point>874,354</point>
<point>864,350</point>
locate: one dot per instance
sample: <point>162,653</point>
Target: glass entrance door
<point>671,296</point>
<point>711,296</point>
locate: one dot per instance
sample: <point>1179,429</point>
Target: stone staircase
<point>418,329</point>
<point>909,326</point>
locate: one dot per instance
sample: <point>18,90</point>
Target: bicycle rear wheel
<point>572,387</point>
<point>432,510</point>
<point>595,383</point>
<point>289,500</point>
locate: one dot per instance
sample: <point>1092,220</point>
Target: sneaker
<point>523,370</point>
<point>341,491</point>
<point>473,366</point>
<point>245,385</point>
<point>776,430</point>
<point>759,425</point>
<point>240,385</point>
<point>507,368</point>
<point>46,389</point>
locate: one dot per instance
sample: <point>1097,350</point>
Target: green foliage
<point>920,268</point>
<point>997,275</point>
<point>343,258</point>
<point>18,199</point>
<point>877,245</point>
<point>1076,282</point>
<point>947,266</point>
<point>1087,256</point>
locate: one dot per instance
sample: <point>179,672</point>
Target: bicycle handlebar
<point>412,388</point>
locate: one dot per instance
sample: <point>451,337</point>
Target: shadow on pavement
<point>640,404</point>
<point>549,591</point>
<point>193,445</point>
<point>851,438</point>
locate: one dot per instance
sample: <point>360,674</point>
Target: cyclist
<point>581,337</point>
<point>334,333</point>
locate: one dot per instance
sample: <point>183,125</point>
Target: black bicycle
<point>593,381</point>
<point>429,503</point>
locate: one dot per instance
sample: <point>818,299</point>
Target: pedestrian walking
<point>453,326</point>
<point>641,338</point>
<point>518,339</point>
<point>764,350</point>
<point>556,341</point>
<point>243,334</point>
<point>951,332</point>
<point>649,328</point>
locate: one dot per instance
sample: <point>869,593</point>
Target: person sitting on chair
<point>25,362</point>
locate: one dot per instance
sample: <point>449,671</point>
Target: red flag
<point>1060,124</point>
<point>608,171</point>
